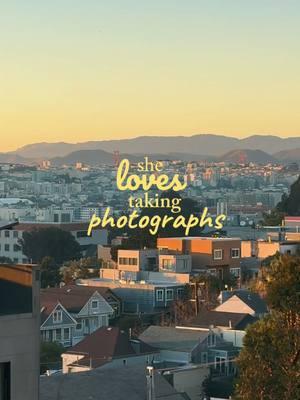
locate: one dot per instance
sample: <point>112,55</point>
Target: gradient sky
<point>76,70</point>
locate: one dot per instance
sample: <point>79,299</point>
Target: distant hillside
<point>198,144</point>
<point>187,148</point>
<point>14,158</point>
<point>96,157</point>
<point>288,155</point>
<point>245,156</point>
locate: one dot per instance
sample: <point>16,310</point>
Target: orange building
<point>217,256</point>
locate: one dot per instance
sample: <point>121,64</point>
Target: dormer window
<point>57,316</point>
<point>95,304</point>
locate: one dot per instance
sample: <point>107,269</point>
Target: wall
<point>19,345</point>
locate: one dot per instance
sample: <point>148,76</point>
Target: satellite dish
<point>242,223</point>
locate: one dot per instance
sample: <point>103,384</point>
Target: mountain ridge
<point>212,144</point>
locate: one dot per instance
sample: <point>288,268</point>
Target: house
<point>183,345</point>
<point>217,256</point>
<point>124,382</point>
<point>178,263</point>
<point>177,345</point>
<point>138,260</point>
<point>71,312</point>
<point>140,295</point>
<point>19,332</point>
<point>107,345</point>
<point>242,301</point>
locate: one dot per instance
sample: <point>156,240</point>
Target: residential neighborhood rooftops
<point>72,297</point>
<point>251,299</point>
<point>108,343</point>
<point>165,337</point>
<point>104,383</point>
<point>231,320</point>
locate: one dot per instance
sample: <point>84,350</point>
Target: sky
<point>77,70</point>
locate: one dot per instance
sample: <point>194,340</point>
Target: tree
<point>50,357</point>
<point>50,274</point>
<point>52,242</point>
<point>80,269</point>
<point>291,204</point>
<point>270,357</point>
<point>269,363</point>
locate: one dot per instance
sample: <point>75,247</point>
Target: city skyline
<point>75,72</point>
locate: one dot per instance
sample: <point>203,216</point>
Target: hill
<point>245,156</point>
<point>288,155</point>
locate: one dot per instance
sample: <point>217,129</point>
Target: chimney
<point>150,383</point>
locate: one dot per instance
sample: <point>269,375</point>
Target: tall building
<point>19,332</point>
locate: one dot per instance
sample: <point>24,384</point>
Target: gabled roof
<point>253,300</point>
<point>47,310</point>
<point>206,319</point>
<point>72,297</point>
<point>107,343</point>
<point>180,339</point>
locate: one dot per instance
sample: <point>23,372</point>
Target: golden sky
<point>74,70</point>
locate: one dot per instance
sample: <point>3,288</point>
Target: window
<point>203,358</point>
<point>57,316</point>
<point>160,295</point>
<point>169,294</point>
<point>180,293</point>
<point>218,254</point>
<point>128,261</point>
<point>95,304</point>
<point>211,340</point>
<point>212,271</point>
<point>220,364</point>
<point>167,263</point>
<point>57,334</point>
<point>17,247</point>
<point>6,234</point>
<point>5,384</point>
<point>81,234</point>
<point>79,326</point>
<point>235,272</point>
<point>16,260</point>
<point>15,234</point>
<point>235,253</point>
<point>103,320</point>
<point>66,333</point>
<point>6,247</point>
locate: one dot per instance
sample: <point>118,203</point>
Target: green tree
<point>50,356</point>
<point>291,204</point>
<point>80,269</point>
<point>52,242</point>
<point>50,274</point>
<point>269,363</point>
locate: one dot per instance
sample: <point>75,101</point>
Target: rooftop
<point>105,384</point>
<point>107,343</point>
<point>165,337</point>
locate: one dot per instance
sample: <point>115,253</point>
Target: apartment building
<point>217,256</point>
<point>19,332</point>
<point>138,260</point>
